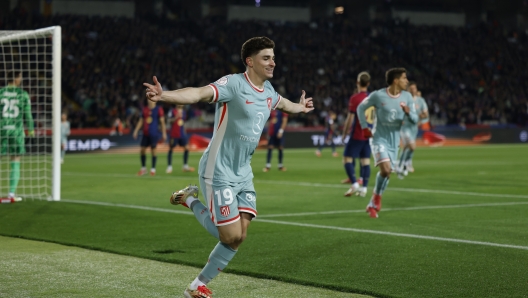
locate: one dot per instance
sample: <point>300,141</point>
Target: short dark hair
<point>254,45</point>
<point>412,83</point>
<point>12,75</point>
<point>394,73</point>
<point>363,79</point>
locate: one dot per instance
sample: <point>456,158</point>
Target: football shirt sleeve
<point>224,89</point>
<point>368,102</point>
<point>412,110</point>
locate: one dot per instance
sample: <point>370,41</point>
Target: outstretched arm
<point>183,96</point>
<point>305,105</point>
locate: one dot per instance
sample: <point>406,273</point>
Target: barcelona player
<point>178,137</point>
<point>278,121</point>
<point>151,120</point>
<point>358,146</point>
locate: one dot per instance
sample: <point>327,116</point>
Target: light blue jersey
<point>409,130</point>
<point>241,113</point>
<point>65,131</point>
<point>388,122</point>
<point>421,107</point>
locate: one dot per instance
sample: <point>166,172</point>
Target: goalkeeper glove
<point>367,133</point>
<point>31,133</point>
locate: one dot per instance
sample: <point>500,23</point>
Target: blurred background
<point>469,58</point>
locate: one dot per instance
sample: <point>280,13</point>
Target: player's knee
<point>232,239</point>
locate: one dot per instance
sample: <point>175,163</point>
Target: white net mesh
<point>26,55</point>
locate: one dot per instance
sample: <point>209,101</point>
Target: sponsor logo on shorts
<point>250,197</point>
<point>225,211</point>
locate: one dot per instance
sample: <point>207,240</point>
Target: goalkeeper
<point>14,106</point>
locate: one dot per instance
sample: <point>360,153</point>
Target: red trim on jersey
<point>215,91</point>
<point>222,117</point>
<point>229,220</point>
<point>248,210</point>
<point>250,83</point>
<point>390,95</point>
<point>211,200</point>
<point>280,98</point>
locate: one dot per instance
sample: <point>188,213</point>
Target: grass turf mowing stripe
<point>293,183</point>
<point>394,234</point>
<point>41,269</point>
<point>329,227</point>
<point>303,213</point>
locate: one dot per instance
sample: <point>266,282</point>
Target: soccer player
<point>15,106</point>
<point>409,132</point>
<point>393,105</point>
<point>65,132</point>
<point>152,117</point>
<point>244,102</point>
<point>358,146</point>
<point>330,133</point>
<point>178,137</point>
<point>278,122</point>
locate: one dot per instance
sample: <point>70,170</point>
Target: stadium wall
<point>93,8</point>
<point>94,140</point>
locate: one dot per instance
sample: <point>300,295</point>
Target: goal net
<point>30,108</point>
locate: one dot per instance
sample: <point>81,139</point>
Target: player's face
<point>63,117</point>
<point>264,63</point>
<point>402,82</point>
<point>413,90</point>
<point>151,104</point>
<point>18,80</point>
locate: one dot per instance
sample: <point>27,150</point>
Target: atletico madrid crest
<point>224,210</point>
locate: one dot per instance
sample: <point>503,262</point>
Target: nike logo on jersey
<point>249,102</point>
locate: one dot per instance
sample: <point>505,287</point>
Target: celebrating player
<point>15,106</point>
<point>152,117</point>
<point>278,122</point>
<point>244,102</point>
<point>358,146</point>
<point>409,132</point>
<point>178,137</point>
<point>393,105</point>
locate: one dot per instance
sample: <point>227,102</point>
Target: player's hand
<point>164,136</point>
<point>367,133</point>
<point>307,103</point>
<point>343,138</point>
<point>31,133</point>
<point>405,108</point>
<point>153,92</point>
<point>135,135</point>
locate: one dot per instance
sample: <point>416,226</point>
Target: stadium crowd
<point>468,75</point>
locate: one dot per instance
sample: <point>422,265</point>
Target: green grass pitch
<point>457,227</point>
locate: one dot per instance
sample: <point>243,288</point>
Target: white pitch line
<point>128,206</point>
<point>393,209</point>
<point>394,234</point>
<point>315,226</point>
<point>309,184</point>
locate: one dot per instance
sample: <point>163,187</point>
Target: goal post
<point>36,54</point>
